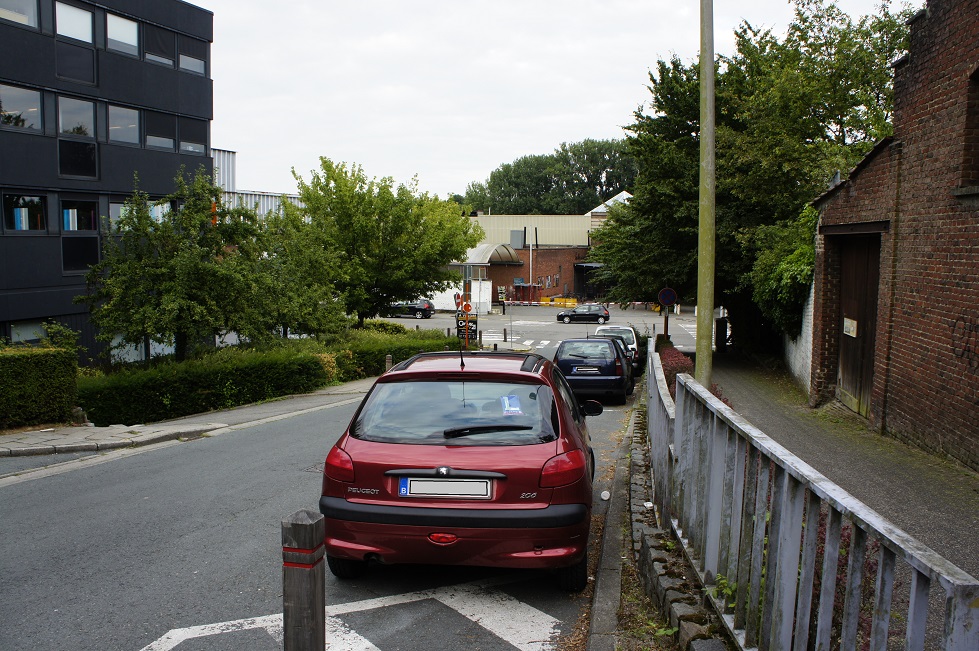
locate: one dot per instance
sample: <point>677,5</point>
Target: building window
<point>73,22</point>
<point>78,158</point>
<point>22,12</point>
<point>116,211</point>
<point>79,215</point>
<point>123,125</point>
<point>76,117</point>
<point>20,108</point>
<point>161,130</point>
<point>193,136</point>
<point>23,213</point>
<point>159,45</point>
<point>79,253</point>
<point>75,62</point>
<point>193,55</point>
<point>159,211</point>
<point>122,35</point>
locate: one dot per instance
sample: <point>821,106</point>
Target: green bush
<point>37,385</point>
<point>226,379</point>
<point>364,352</point>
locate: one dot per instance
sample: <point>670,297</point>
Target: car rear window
<point>469,413</point>
<point>587,350</point>
<point>623,332</point>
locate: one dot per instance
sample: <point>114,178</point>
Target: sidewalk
<point>934,500</point>
<point>29,446</point>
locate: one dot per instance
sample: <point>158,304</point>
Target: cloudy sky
<point>447,90</point>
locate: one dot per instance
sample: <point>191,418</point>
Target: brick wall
<point>553,270</point>
<point>926,371</point>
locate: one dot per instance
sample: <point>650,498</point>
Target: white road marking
<point>520,624</point>
<point>270,623</point>
<point>543,344</point>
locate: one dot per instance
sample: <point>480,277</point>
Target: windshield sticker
<point>511,405</point>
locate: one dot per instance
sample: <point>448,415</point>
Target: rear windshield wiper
<point>456,432</point>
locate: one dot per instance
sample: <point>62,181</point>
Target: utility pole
<point>705,248</point>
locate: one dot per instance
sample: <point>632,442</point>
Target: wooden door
<point>859,279</point>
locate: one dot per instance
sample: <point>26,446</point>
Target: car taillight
<point>563,469</point>
<point>618,366</point>
<point>339,465</point>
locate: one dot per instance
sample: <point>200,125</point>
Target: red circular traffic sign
<point>666,297</point>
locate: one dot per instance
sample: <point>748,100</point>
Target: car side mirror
<point>592,408</point>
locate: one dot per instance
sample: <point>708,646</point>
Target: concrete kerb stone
<point>113,438</point>
<point>680,604</point>
<point>608,585</point>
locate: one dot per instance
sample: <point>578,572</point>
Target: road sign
<point>467,325</point>
<point>666,297</point>
<point>467,307</point>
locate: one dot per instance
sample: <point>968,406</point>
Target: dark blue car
<point>594,368</point>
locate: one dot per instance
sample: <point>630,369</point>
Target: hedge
<point>37,385</point>
<point>226,379</point>
<point>363,353</point>
<point>233,377</point>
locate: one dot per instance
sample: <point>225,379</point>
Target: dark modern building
<point>90,93</point>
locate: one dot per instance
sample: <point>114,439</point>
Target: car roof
<point>614,327</point>
<point>458,364</point>
<point>585,340</point>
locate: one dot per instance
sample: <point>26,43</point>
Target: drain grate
<point>318,468</point>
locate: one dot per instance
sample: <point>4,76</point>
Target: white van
<point>627,333</point>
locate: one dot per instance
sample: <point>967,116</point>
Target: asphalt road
<point>178,546</point>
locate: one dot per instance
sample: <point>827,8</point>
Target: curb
<point>137,441</point>
<point>664,573</point>
<point>602,635</point>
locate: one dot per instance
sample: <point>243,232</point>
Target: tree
<point>651,242</point>
<point>790,114</point>
<point>299,273</point>
<point>388,243</point>
<point>571,181</point>
<point>175,279</point>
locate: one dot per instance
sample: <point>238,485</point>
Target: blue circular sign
<point>666,297</point>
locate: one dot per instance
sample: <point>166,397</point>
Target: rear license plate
<point>424,487</point>
<point>584,369</point>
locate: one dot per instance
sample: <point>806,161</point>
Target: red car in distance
<point>476,458</point>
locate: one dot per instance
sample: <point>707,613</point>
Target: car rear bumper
<point>596,384</point>
<point>540,538</point>
<point>554,516</point>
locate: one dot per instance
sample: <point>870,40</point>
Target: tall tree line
<point>571,181</point>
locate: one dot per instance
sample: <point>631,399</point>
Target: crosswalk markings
<point>510,619</point>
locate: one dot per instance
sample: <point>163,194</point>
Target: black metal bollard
<point>303,582</point>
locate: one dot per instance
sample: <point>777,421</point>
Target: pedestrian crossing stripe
<point>510,619</point>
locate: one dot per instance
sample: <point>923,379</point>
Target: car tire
<point>601,320</point>
<point>567,319</point>
<point>345,568</point>
<point>631,388</point>
<point>622,398</point>
<point>417,314</point>
<point>574,578</point>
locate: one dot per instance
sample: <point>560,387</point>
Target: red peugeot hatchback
<point>473,458</point>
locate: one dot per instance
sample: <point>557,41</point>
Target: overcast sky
<point>447,90</point>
